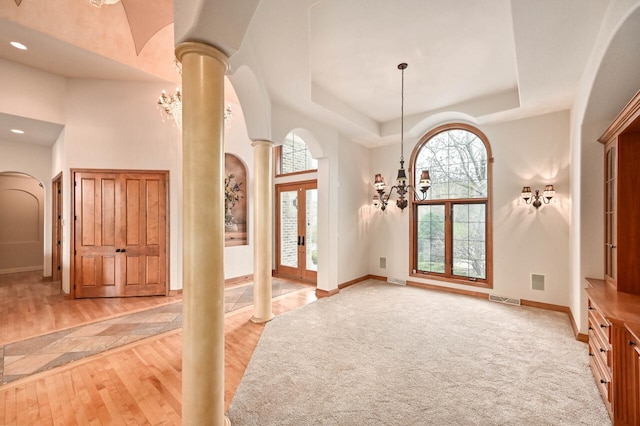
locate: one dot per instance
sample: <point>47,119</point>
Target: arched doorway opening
<point>21,223</point>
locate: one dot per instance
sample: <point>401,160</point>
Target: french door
<point>297,230</point>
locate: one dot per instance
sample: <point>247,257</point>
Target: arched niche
<point>235,182</point>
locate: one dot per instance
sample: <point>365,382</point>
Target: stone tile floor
<point>30,356</point>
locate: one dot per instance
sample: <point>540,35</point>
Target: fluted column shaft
<point>262,230</point>
<point>203,70</point>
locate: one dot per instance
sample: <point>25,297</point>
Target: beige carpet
<point>378,354</point>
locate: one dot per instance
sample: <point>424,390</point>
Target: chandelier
<point>402,188</point>
<point>100,3</point>
<point>171,104</point>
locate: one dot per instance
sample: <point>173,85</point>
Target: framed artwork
<point>235,201</point>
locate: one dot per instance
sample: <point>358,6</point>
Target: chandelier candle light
<point>547,195</point>
<point>402,188</point>
<point>172,104</point>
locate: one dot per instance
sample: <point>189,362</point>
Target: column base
<point>257,320</point>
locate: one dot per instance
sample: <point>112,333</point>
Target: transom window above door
<point>294,156</point>
<point>451,229</point>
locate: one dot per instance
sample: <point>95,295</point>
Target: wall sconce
<point>547,195</point>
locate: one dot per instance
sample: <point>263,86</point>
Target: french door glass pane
<point>289,228</point>
<point>469,240</point>
<point>312,230</point>
<point>430,248</point>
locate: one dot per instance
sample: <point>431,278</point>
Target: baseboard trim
<point>377,277</point>
<point>581,337</point>
<point>354,281</point>
<point>229,282</point>
<point>244,279</point>
<point>324,293</point>
<point>448,289</point>
<point>547,306</point>
<point>24,269</point>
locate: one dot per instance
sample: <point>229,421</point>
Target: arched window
<point>451,229</point>
<point>294,156</point>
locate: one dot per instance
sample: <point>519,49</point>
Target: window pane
<point>469,240</point>
<point>295,155</point>
<point>289,229</point>
<point>457,163</point>
<point>312,230</point>
<point>430,250</point>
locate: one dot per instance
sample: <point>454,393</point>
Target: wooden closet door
<point>143,251</point>
<point>120,234</point>
<point>96,232</point>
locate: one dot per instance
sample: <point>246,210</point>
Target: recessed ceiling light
<point>18,131</point>
<point>18,45</point>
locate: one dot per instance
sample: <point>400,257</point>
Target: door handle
<point>122,250</point>
<point>117,250</point>
<point>298,239</point>
<point>303,240</point>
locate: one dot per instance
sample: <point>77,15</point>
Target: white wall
<point>34,160</point>
<point>354,210</point>
<point>532,152</point>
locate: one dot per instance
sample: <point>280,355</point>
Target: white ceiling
<point>336,60</point>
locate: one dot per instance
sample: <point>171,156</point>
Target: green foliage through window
<point>451,225</point>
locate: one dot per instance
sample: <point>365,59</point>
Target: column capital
<point>202,49</point>
<point>263,142</point>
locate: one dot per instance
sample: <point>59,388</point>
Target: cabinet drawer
<point>599,324</point>
<point>601,376</point>
<point>599,348</point>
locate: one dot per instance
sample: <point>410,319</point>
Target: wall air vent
<point>396,281</point>
<point>506,300</point>
<point>537,282</point>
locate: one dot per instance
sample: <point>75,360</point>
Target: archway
<point>22,199</point>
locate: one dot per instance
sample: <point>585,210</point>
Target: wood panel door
<point>120,234</point>
<point>297,231</point>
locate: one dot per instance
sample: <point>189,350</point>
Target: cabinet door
<point>637,377</point>
<point>610,217</point>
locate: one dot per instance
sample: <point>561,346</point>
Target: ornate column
<point>262,230</point>
<point>203,70</point>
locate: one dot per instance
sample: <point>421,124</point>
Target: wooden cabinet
<point>612,359</point>
<point>614,302</point>
<point>622,199</point>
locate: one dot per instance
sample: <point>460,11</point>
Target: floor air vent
<point>502,299</point>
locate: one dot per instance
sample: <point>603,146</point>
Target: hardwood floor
<point>136,384</point>
<point>31,306</point>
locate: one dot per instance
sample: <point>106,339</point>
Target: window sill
<point>435,277</point>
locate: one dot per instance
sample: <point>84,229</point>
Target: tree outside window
<point>451,228</point>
